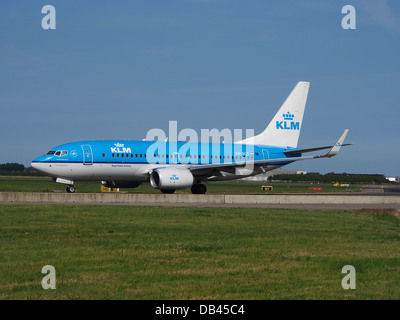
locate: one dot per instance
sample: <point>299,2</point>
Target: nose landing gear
<point>71,189</point>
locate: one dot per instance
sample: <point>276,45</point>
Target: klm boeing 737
<point>169,166</point>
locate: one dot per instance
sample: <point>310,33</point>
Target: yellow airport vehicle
<point>107,189</point>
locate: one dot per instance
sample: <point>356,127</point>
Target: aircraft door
<point>265,154</point>
<point>87,154</point>
<point>175,159</point>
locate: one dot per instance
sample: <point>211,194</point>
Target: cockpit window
<point>58,153</point>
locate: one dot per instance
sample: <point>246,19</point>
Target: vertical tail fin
<point>284,129</point>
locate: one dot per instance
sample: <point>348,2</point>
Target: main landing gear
<point>199,188</point>
<point>168,191</point>
<point>70,189</point>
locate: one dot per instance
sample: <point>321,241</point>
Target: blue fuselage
<point>150,152</point>
<point>123,160</point>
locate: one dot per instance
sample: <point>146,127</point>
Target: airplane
<point>170,166</point>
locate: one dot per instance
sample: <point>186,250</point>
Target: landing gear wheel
<point>199,188</point>
<point>168,191</point>
<point>70,189</point>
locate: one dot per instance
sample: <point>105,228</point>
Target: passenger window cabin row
<point>176,156</point>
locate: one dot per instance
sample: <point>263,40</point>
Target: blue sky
<point>116,69</point>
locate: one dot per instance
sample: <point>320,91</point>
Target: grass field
<point>104,252</point>
<point>46,184</point>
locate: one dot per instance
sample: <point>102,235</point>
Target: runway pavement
<point>359,201</point>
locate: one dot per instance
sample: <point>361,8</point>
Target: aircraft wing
<point>289,152</point>
<point>334,149</point>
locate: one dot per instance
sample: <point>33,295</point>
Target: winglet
<point>336,147</point>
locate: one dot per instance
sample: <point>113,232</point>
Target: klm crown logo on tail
<point>288,123</point>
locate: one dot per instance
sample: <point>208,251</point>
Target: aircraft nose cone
<point>39,166</point>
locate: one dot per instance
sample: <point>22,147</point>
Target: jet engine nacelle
<point>120,184</point>
<point>171,178</point>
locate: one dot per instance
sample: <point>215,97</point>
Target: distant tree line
<point>331,178</point>
<point>12,167</point>
<point>17,169</point>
